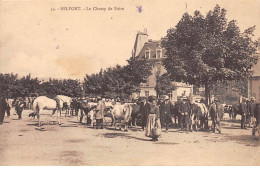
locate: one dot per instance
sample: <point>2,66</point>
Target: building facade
<point>153,51</point>
<point>254,82</point>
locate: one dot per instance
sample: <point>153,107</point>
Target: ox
<point>122,115</point>
<point>44,103</point>
<point>199,116</point>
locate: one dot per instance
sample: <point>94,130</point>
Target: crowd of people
<point>156,114</point>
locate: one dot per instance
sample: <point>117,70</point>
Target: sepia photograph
<point>130,83</point>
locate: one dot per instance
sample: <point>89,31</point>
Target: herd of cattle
<point>121,114</point>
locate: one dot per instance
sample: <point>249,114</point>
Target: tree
<point>205,50</point>
<point>163,85</point>
<point>118,81</point>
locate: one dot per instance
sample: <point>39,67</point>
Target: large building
<point>152,50</point>
<point>254,82</point>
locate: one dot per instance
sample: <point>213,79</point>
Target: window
<point>170,95</point>
<point>147,82</point>
<point>158,69</point>
<point>146,93</point>
<point>158,53</point>
<point>147,54</point>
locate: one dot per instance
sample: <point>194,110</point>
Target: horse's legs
<point>120,125</point>
<point>59,115</point>
<point>52,115</point>
<point>39,117</point>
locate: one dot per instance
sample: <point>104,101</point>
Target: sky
<point>70,44</point>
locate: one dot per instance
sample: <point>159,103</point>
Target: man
<point>3,108</point>
<point>8,107</point>
<point>100,113</point>
<point>216,111</point>
<point>251,108</point>
<point>244,112</point>
<point>145,109</point>
<point>185,113</point>
<point>19,108</point>
<point>165,113</point>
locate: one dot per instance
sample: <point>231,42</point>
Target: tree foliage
<point>118,81</point>
<point>164,85</point>
<point>205,50</point>
<point>11,86</point>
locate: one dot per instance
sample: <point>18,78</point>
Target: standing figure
<point>185,110</point>
<point>256,126</point>
<point>8,107</point>
<point>251,108</point>
<point>20,105</point>
<point>244,112</point>
<point>145,109</point>
<point>100,113</point>
<point>165,113</point>
<point>153,121</point>
<point>216,111</point>
<point>3,108</point>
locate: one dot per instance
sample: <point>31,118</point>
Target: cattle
<point>121,114</point>
<point>199,116</point>
<point>135,115</point>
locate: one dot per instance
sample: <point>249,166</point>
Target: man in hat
<point>3,108</point>
<point>100,113</point>
<point>165,113</point>
<point>145,109</point>
<point>185,110</point>
<point>244,111</point>
<point>216,111</point>
<point>251,108</point>
<point>20,105</point>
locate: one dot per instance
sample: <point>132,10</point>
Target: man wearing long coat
<point>165,113</point>
<point>244,112</point>
<point>145,110</point>
<point>100,113</point>
<point>185,110</point>
<point>3,108</point>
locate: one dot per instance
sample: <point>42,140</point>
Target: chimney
<point>141,38</point>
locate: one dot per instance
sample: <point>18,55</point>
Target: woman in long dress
<point>153,120</point>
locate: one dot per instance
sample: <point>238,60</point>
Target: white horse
<point>65,103</point>
<point>44,103</point>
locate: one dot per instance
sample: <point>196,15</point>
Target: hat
<point>164,97</point>
<point>152,98</point>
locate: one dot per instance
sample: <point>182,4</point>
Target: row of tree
<point>12,86</point>
<point>118,81</point>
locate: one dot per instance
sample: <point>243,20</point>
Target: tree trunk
<point>207,94</point>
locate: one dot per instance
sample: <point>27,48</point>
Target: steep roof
<point>152,46</point>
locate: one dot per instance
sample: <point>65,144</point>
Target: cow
<point>199,116</point>
<point>121,114</point>
<point>235,110</point>
<point>44,103</point>
<point>135,115</point>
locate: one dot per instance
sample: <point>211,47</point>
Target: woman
<point>153,122</point>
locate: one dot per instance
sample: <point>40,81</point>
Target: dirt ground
<point>21,143</point>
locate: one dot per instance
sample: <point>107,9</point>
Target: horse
<point>65,102</point>
<point>44,103</point>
